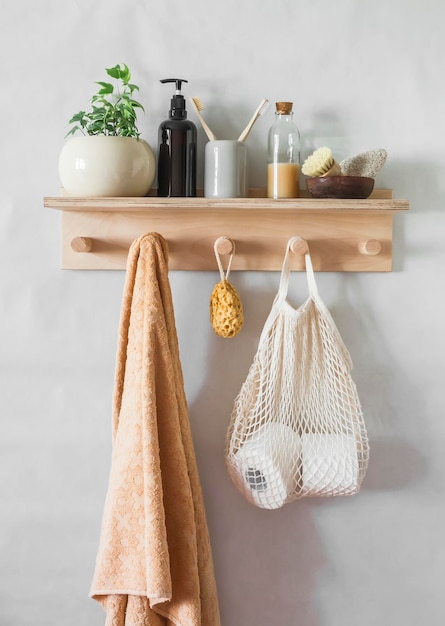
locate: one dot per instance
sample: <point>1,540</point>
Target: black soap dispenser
<point>177,149</point>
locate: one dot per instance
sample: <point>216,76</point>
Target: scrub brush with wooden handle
<point>321,163</point>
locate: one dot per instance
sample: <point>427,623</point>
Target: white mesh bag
<point>297,427</point>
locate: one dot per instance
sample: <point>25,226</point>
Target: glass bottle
<point>283,164</point>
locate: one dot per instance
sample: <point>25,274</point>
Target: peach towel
<point>154,564</point>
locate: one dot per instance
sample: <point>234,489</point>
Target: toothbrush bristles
<point>199,107</point>
<point>262,108</point>
<point>198,103</point>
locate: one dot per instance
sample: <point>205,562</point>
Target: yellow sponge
<point>226,310</point>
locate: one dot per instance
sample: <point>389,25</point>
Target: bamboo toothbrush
<point>198,106</point>
<point>262,108</point>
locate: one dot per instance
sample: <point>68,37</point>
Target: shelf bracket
<point>342,235</point>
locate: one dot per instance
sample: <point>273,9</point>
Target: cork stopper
<point>284,108</point>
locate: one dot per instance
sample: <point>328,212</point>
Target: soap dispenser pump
<point>177,148</point>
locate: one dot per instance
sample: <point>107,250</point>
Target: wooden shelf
<point>343,235</point>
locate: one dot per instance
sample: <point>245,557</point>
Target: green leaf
<point>77,117</point>
<point>73,131</point>
<point>114,72</point>
<point>137,105</point>
<point>125,74</point>
<point>120,72</point>
<point>106,87</point>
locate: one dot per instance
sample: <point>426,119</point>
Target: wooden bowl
<point>340,186</point>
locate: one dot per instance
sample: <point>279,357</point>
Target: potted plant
<point>109,158</point>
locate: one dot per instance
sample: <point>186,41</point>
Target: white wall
<point>362,75</point>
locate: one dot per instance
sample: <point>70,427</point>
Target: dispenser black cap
<point>177,103</point>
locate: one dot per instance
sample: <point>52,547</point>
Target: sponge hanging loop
<point>224,246</point>
<point>226,310</point>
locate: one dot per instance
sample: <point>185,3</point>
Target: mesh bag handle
<point>314,296</point>
<point>285,273</point>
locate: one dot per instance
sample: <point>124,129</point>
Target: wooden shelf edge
<point>147,204</point>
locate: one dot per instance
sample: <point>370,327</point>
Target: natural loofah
<point>364,164</point>
<point>226,310</point>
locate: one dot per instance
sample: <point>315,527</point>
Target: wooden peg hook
<point>370,247</point>
<point>298,245</point>
<point>224,245</point>
<point>82,244</point>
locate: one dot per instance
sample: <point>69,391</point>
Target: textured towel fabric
<point>154,564</point>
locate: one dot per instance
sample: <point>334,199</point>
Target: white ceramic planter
<point>106,166</point>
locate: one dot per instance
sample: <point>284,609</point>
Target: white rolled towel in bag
<point>268,464</point>
<point>329,464</point>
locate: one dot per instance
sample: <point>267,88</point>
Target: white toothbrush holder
<point>225,169</point>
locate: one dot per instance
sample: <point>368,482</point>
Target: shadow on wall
<point>394,462</point>
<point>263,559</point>
<point>276,558</point>
<point>272,557</point>
<point>414,181</point>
